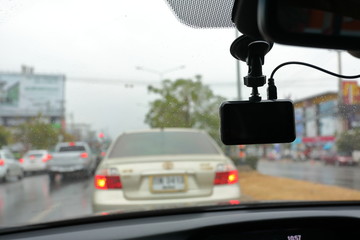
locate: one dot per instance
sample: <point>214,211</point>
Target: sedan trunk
<point>161,177</point>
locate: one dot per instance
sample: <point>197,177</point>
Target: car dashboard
<point>271,223</point>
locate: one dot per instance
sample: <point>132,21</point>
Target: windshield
<point>169,143</point>
<point>35,154</point>
<point>141,90</point>
<point>72,149</point>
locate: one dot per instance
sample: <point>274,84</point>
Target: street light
<point>160,73</point>
<point>238,73</point>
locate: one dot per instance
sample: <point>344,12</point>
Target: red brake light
<point>71,144</point>
<point>234,202</point>
<point>2,162</point>
<point>21,160</point>
<point>47,158</point>
<point>228,177</point>
<point>84,155</point>
<point>107,182</point>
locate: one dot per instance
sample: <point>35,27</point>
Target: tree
<point>349,141</point>
<point>5,136</point>
<point>66,137</point>
<point>37,134</point>
<point>185,103</point>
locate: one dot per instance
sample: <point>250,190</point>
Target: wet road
<point>34,199</point>
<point>313,171</point>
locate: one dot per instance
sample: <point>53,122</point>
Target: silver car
<point>163,168</point>
<point>71,158</point>
<point>10,167</point>
<point>35,160</point>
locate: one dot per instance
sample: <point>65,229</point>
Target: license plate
<point>173,183</point>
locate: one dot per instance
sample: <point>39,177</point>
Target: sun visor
<point>203,13</point>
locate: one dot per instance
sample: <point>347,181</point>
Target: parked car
<point>9,166</point>
<point>335,158</point>
<point>164,168</point>
<point>35,161</point>
<point>70,158</point>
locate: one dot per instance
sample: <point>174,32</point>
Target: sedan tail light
<point>21,160</point>
<point>2,162</point>
<point>108,179</point>
<point>226,174</point>
<point>228,177</point>
<point>47,158</point>
<point>84,155</point>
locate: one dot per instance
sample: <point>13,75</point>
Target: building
<point>320,118</point>
<point>316,118</point>
<point>25,94</point>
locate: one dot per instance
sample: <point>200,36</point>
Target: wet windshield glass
<point>128,79</point>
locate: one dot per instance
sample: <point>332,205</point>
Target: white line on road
<point>44,214</point>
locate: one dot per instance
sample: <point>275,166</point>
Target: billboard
<point>310,112</point>
<point>26,95</point>
<point>311,130</point>
<point>299,122</point>
<point>351,92</point>
<point>328,108</point>
<point>328,126</point>
<point>299,114</point>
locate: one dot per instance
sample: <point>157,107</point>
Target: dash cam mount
<point>253,53</point>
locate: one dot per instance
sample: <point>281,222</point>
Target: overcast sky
<point>97,44</point>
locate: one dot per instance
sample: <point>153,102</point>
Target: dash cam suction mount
<point>253,53</point>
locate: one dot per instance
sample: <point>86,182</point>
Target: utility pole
<point>238,74</point>
<point>340,79</point>
<point>241,150</point>
<point>341,108</point>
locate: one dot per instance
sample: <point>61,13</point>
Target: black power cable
<point>272,92</point>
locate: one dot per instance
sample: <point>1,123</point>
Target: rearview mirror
<point>244,122</point>
<point>325,24</point>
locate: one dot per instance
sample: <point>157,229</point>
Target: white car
<point>163,168</point>
<point>71,158</point>
<point>35,160</point>
<point>9,166</point>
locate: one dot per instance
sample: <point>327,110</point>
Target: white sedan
<point>164,168</point>
<point>10,167</point>
<point>35,160</point>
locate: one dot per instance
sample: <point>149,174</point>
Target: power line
<point>109,80</point>
<point>317,82</point>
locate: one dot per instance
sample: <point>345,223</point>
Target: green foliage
<point>5,136</point>
<point>37,134</point>
<point>252,161</point>
<point>349,141</point>
<point>67,137</point>
<point>185,103</point>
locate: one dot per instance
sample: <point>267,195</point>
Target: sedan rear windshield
<point>72,149</point>
<point>162,143</point>
<point>34,154</point>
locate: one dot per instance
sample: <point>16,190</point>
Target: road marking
<point>44,214</point>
